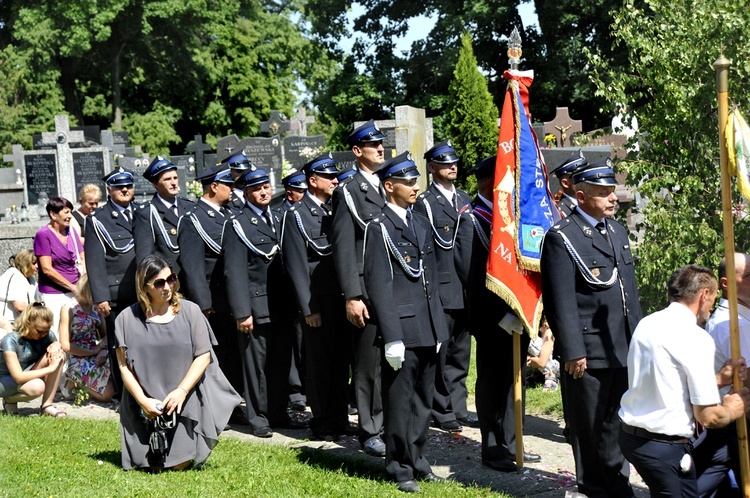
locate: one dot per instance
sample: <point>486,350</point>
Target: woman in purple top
<point>60,253</point>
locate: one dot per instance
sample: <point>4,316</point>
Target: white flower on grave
<point>287,169</point>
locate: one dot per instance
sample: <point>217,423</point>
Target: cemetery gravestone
<point>89,167</point>
<point>41,175</point>
<point>264,153</point>
<point>300,149</point>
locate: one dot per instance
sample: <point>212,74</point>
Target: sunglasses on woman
<point>159,283</point>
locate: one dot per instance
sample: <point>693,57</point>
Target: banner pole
<point>721,65</point>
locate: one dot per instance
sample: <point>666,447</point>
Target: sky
<point>420,26</point>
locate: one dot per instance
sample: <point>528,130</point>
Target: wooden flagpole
<point>721,65</point>
<point>514,58</point>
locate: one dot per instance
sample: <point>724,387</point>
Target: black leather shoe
<point>376,447</point>
<point>506,465</point>
<point>431,477</point>
<point>409,487</point>
<point>264,432</point>
<point>451,426</point>
<point>468,421</point>
<point>528,457</point>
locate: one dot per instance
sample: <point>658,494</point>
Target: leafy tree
<point>670,85</point>
<point>471,118</point>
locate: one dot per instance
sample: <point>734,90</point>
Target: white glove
<point>437,348</point>
<point>394,353</point>
<point>511,323</point>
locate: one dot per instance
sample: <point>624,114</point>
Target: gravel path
<point>454,456</point>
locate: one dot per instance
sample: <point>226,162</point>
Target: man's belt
<point>646,434</point>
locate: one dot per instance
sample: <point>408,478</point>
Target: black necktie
<point>268,219</point>
<point>410,223</point>
<point>174,210</point>
<point>126,214</point>
<point>455,201</point>
<point>603,230</point>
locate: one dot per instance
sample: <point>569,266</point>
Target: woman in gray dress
<point>164,354</point>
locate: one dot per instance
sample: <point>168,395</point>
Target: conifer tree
<point>471,117</point>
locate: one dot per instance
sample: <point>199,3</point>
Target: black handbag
<point>158,427</point>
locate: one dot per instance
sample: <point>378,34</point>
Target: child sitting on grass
<point>540,357</point>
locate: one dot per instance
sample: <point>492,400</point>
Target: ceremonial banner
<point>738,150</point>
<point>523,208</point>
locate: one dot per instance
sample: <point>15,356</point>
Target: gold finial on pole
<point>514,49</point>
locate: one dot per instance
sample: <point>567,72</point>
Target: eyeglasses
<point>159,283</point>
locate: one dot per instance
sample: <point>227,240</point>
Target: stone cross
<point>17,159</point>
<point>563,126</point>
<point>62,137</point>
<point>197,147</point>
<point>108,141</point>
<point>300,122</point>
<point>275,124</point>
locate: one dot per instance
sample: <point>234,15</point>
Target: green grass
<point>45,457</point>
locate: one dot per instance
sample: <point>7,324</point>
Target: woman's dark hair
<point>149,268</point>
<point>57,204</point>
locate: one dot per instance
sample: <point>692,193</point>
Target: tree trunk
<point>116,47</point>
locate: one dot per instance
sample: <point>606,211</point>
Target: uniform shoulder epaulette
<point>562,224</point>
<point>424,195</point>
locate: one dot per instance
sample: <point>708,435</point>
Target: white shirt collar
<point>401,212</point>
<point>371,177</point>
<point>448,194</point>
<point>168,204</point>
<point>213,205</point>
<point>572,199</point>
<point>315,199</point>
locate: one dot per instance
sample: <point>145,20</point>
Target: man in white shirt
<point>672,384</point>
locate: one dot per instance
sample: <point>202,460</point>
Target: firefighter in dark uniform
<point>306,247</point>
<point>490,322</point>
<point>591,302</point>
<point>355,204</point>
<point>110,257</point>
<point>238,164</point>
<point>258,294</point>
<point>401,278</point>
<point>566,198</point>
<point>200,235</point>
<point>295,186</point>
<point>156,221</point>
<point>441,204</point>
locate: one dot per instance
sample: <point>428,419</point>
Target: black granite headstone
<point>264,153</point>
<point>296,147</point>
<point>88,167</point>
<point>344,159</point>
<point>41,175</point>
